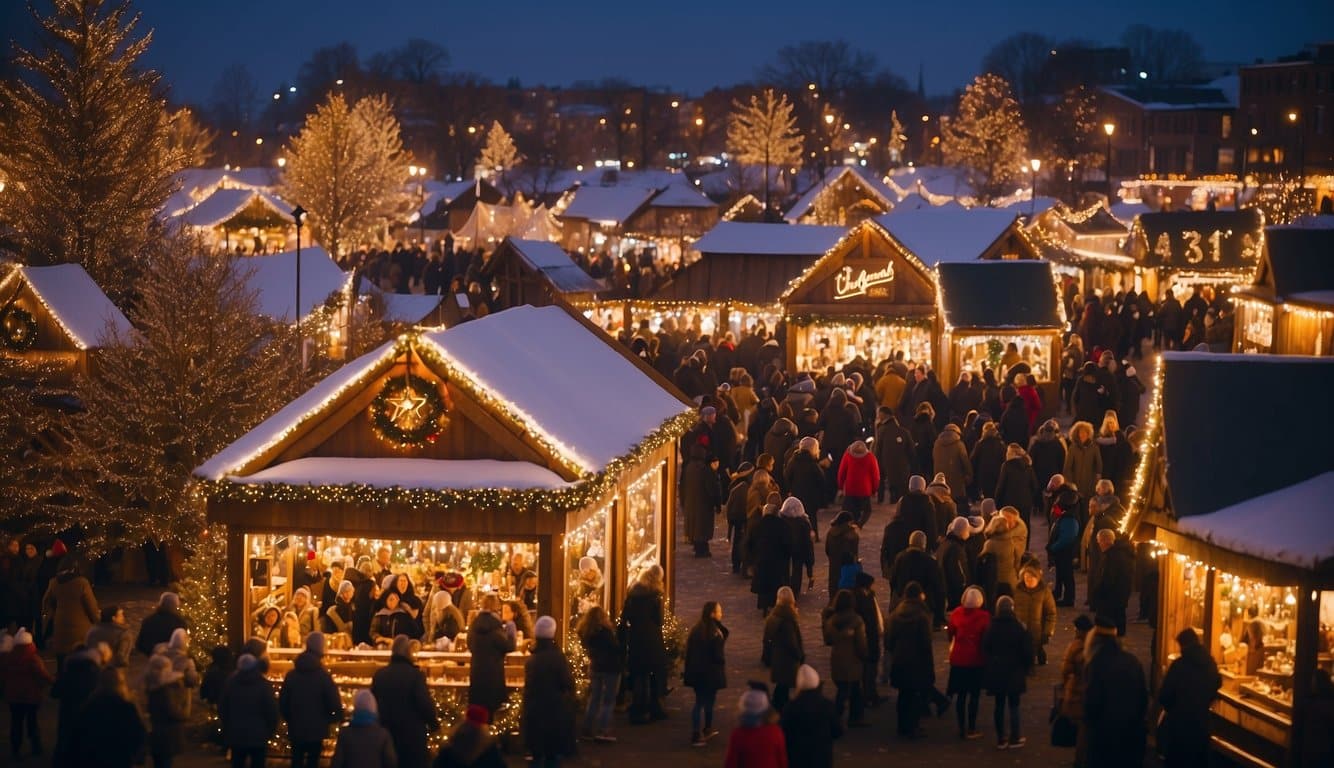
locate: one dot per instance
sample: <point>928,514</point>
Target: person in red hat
<point>472,744</point>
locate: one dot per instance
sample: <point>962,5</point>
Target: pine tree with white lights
<point>348,168</point>
<point>987,137</point>
<point>499,155</point>
<point>764,132</point>
<point>898,139</point>
<point>83,143</point>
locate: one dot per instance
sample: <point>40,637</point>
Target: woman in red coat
<point>1032,400</point>
<point>25,683</point>
<point>967,624</point>
<point>858,479</point>
<point>757,741</point>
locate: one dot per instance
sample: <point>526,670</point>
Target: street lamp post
<point>419,173</point>
<point>299,216</point>
<point>1036,165</point>
<point>1109,128</point>
<point>1294,118</point>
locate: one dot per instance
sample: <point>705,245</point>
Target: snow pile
<point>769,239</point>
<point>426,474</point>
<point>946,233</point>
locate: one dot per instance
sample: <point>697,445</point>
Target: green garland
<point>20,329</point>
<point>389,430</point>
<point>861,321</point>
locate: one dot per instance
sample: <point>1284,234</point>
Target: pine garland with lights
<point>349,169</point>
<point>84,143</point>
<point>987,136</point>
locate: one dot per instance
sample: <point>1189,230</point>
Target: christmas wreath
<point>20,329</point>
<point>408,411</point>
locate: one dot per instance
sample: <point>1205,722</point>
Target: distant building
<point>1177,130</point>
<point>1286,115</point>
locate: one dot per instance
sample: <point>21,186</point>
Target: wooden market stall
<point>487,449</point>
<point>536,272</point>
<point>1086,247</point>
<point>1244,554</point>
<point>986,306</point>
<point>844,196</point>
<point>55,318</point>
<point>1184,249</point>
<point>241,220</point>
<point>1289,308</point>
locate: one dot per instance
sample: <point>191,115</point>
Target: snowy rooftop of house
<point>409,308</point>
<point>81,309</point>
<point>806,202</point>
<point>1024,206</point>
<point>426,474</point>
<point>225,203</point>
<point>437,193</point>
<point>769,239</point>
<point>197,183</point>
<point>1126,212</point>
<point>935,181</point>
<point>942,234</point>
<point>1219,94</point>
<point>611,205</point>
<point>551,260</point>
<point>273,278</point>
<point>1281,526</point>
<point>681,194</point>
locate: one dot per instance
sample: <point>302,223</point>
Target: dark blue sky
<point>689,45</point>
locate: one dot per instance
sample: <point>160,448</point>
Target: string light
<point>1148,451</point>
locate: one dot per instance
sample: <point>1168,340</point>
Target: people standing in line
<point>912,662</point>
<point>967,625</point>
<point>1111,582</point>
<point>705,670</point>
<point>1008,648</point>
<point>700,497</point>
<point>1083,460</point>
<point>804,476</point>
<point>810,723</point>
<point>71,609</point>
<point>405,705</point>
<point>308,700</point>
<point>113,630</point>
<point>996,571</point>
<point>24,679</point>
<point>1018,486</point>
<point>987,456</point>
<point>1116,699</point>
<point>756,741</point>
<point>952,556</point>
<point>868,607</point>
<point>783,651</point>
<point>1036,609</point>
<point>548,699</point>
<point>735,511</point>
<point>800,544</point>
<point>600,644</point>
<point>248,711</point>
<point>157,626</point>
<point>949,457</point>
<point>363,742</point>
<point>108,732</point>
<point>167,710</point>
<point>842,545</point>
<point>641,635</point>
<point>489,643</point>
<point>845,634</point>
<point>1047,450</point>
<point>1187,691</point>
<point>858,479</point>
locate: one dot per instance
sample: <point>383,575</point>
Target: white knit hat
<point>754,702</point>
<point>364,701</point>
<point>545,628</point>
<point>807,678</point>
<point>23,637</point>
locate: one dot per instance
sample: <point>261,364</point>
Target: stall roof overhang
<point>1282,526</point>
<point>1276,405</point>
<point>273,278</point>
<point>556,265</point>
<point>224,204</point>
<point>408,308</point>
<point>680,194</point>
<point>999,295</point>
<point>1092,223</point>
<point>945,234</point>
<point>76,303</point>
<point>766,239</point>
<point>426,474</point>
<point>742,279</point>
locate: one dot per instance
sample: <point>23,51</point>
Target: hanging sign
<point>848,285</point>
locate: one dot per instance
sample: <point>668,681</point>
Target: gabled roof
<point>75,302</point>
<point>273,278</point>
<point>681,194</point>
<point>1200,390</point>
<point>944,234</point>
<point>743,237</point>
<point>1216,95</point>
<point>607,205</point>
<point>1096,221</point>
<point>223,204</point>
<point>556,265</point>
<point>999,294</point>
<point>868,181</point>
<point>1299,259</point>
<point>408,308</point>
<point>756,279</point>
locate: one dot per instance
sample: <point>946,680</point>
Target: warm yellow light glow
<point>829,119</point>
<point>1035,164</point>
<point>1292,117</point>
<point>259,140</point>
<point>282,161</point>
<point>699,121</point>
<point>675,103</point>
<point>1109,128</point>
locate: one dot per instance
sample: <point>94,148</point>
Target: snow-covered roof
<point>681,194</point>
<point>934,182</point>
<point>75,302</point>
<point>436,193</point>
<point>553,262</point>
<point>225,203</point>
<point>806,202</point>
<point>941,233</point>
<point>408,307</point>
<point>428,474</point>
<point>769,239</point>
<point>1324,298</point>
<point>1023,204</point>
<point>195,184</point>
<point>273,278</point>
<point>562,381</point>
<point>1281,526</point>
<point>607,205</point>
<point>1126,212</point>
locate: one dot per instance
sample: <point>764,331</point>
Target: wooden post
<point>238,584</point>
<point>1308,631</point>
<point>550,562</point>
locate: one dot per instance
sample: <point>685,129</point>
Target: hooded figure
<point>1116,698</point>
<point>363,742</point>
<point>800,541</point>
<point>308,701</point>
<point>1047,450</point>
<point>443,619</point>
<point>950,458</point>
<point>810,722</point>
<point>70,603</point>
<point>894,451</point>
<point>167,709</point>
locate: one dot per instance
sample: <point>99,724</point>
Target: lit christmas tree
<point>1073,137</point>
<point>1281,200</point>
<point>191,140</point>
<point>499,155</point>
<point>898,139</point>
<point>764,133</point>
<point>987,137</point>
<point>83,143</point>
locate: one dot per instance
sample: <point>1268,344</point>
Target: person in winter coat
<point>166,696</point>
<point>1062,544</point>
<point>548,699</point>
<point>1036,609</point>
<point>845,634</point>
<point>71,608</point>
<point>945,505</point>
<point>442,617</point>
<point>924,434</point>
<point>248,712</point>
<point>1072,685</point>
<point>75,685</point>
<point>778,441</point>
<point>950,458</point>
<point>391,621</point>
<point>952,555</point>
<point>894,451</point>
<point>841,546</point>
<point>700,498</point>
<point>1105,512</point>
<point>915,565</point>
<point>705,670</point>
<point>598,638</point>
<point>115,632</point>
<point>772,558</point>
<point>1111,582</point>
<point>1014,419</point>
<point>1118,463</point>
<point>1116,698</point>
<point>1018,486</point>
<point>800,543</point>
<point>108,732</point>
<point>1008,648</point>
<point>25,680</point>
<point>488,642</point>
<point>806,479</point>
<point>967,625</point>
<point>472,745</point>
<point>868,607</point>
<point>1083,459</point>
<point>840,421</point>
<point>157,626</point>
<point>1032,400</point>
<point>996,566</point>
<point>308,701</point>
<point>756,741</point>
<point>405,705</point>
<point>1188,689</point>
<point>810,723</point>
<point>641,636</point>
<point>1047,451</point>
<point>858,479</point>
<point>338,612</point>
<point>987,457</point>
<point>1091,394</point>
<point>783,651</point>
<point>363,742</point>
<point>734,508</point>
<point>912,666</point>
<point>1130,388</point>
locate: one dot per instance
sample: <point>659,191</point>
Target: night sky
<point>689,45</point>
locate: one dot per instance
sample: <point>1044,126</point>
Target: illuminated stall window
<point>586,563</point>
<point>994,351</point>
<point>1255,642</point>
<point>1258,327</point>
<point>643,529</point>
<point>820,345</point>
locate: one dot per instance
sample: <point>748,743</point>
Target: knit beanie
<point>807,678</point>
<point>364,701</point>
<point>754,702</point>
<point>545,628</point>
<point>315,643</point>
<point>23,637</point>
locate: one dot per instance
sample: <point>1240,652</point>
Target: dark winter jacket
<point>769,549</point>
<point>700,499</point>
<point>71,608</point>
<point>108,733</point>
<point>865,604</point>
<point>1116,698</point>
<point>117,639</point>
<point>783,645</point>
<point>1187,690</point>
<point>167,713</point>
<point>603,651</point>
<point>407,710</point>
<point>919,514</point>
<point>1014,422</point>
<point>845,634</point>
<point>894,450</point>
<point>1117,461</point>
<point>919,566</point>
<point>807,480</point>
<point>1047,451</point>
<point>924,433</point>
<point>157,628</point>
<point>841,542</point>
<point>641,630</point>
<point>1008,648</point>
<point>735,506</point>
<point>950,458</point>
<point>470,747</point>
<point>706,660</point>
<point>1018,487</point>
<point>248,710</point>
<point>488,642</point>
<point>364,743</point>
<point>308,700</point>
<point>548,702</point>
<point>1112,579</point>
<point>953,559</point>
<point>811,724</point>
<point>987,457</point>
<point>908,643</point>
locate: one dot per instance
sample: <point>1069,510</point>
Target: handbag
<point>1064,731</point>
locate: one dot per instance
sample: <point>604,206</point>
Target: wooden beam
<point>334,420</point>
